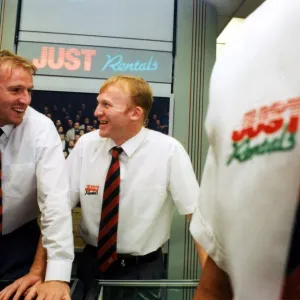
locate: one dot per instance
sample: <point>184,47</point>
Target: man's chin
<point>16,122</point>
<point>103,133</point>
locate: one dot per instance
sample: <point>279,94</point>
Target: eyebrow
<point>104,100</point>
<point>20,86</point>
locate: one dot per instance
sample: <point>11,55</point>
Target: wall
<point>195,57</point>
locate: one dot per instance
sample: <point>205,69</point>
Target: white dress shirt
<point>249,190</point>
<point>70,135</point>
<point>33,178</point>
<point>156,173</point>
<point>63,145</point>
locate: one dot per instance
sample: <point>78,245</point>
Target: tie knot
<point>116,151</point>
<point>1,131</point>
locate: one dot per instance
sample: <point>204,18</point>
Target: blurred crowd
<point>73,121</point>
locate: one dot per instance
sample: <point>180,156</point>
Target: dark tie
<point>1,131</point>
<point>107,239</point>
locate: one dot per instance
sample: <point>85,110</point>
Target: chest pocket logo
<point>91,189</point>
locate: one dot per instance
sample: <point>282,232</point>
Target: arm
<point>54,203</point>
<point>40,261</point>
<point>185,189</point>
<point>214,283</point>
<point>183,184</point>
<point>201,252</point>
<point>56,218</point>
<point>53,263</point>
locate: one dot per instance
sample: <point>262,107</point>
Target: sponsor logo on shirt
<point>266,130</point>
<point>91,189</point>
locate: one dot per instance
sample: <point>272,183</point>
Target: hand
<point>18,288</point>
<point>50,290</point>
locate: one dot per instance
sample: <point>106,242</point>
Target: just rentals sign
<point>97,62</point>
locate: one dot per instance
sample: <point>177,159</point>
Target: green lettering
<point>243,151</point>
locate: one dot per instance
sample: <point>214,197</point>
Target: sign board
<point>97,62</point>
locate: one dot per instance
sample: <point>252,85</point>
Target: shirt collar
<point>130,146</point>
<point>7,129</point>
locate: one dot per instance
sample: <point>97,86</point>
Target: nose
<point>98,112</point>
<point>25,98</point>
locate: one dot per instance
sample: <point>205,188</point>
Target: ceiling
<point>227,9</point>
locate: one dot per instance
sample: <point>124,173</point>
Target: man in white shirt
<point>70,135</point>
<point>33,179</point>
<point>152,173</point>
<point>250,187</point>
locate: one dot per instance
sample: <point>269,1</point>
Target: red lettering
<point>60,58</point>
<point>238,135</point>
<point>70,59</point>
<point>293,125</point>
<point>88,58</point>
<point>276,110</point>
<point>249,119</point>
<point>270,120</point>
<point>273,126</point>
<point>294,106</point>
<point>72,63</point>
<point>254,132</point>
<point>248,123</point>
<point>43,59</point>
<point>263,114</point>
<point>250,132</point>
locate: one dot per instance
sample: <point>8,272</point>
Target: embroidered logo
<point>91,189</point>
<point>269,121</point>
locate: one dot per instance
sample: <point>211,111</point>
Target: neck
<point>3,123</point>
<point>121,140</point>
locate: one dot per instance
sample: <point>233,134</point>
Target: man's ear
<point>137,113</point>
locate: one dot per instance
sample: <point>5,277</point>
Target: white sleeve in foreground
<point>58,270</point>
<point>201,226</point>
<point>55,207</point>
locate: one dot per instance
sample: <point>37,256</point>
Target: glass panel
<point>143,290</point>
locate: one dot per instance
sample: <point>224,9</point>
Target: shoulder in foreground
<point>34,115</point>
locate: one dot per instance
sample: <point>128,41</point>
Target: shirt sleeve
<point>183,184</point>
<point>74,170</point>
<point>253,203</point>
<point>202,219</point>
<point>54,204</point>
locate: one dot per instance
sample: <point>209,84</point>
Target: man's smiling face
<point>16,85</point>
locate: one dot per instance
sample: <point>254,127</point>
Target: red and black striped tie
<point>1,131</point>
<point>107,239</point>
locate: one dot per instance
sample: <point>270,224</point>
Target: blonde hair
<point>8,58</point>
<point>138,88</point>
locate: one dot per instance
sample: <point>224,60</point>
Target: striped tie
<point>107,239</point>
<point>1,131</point>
